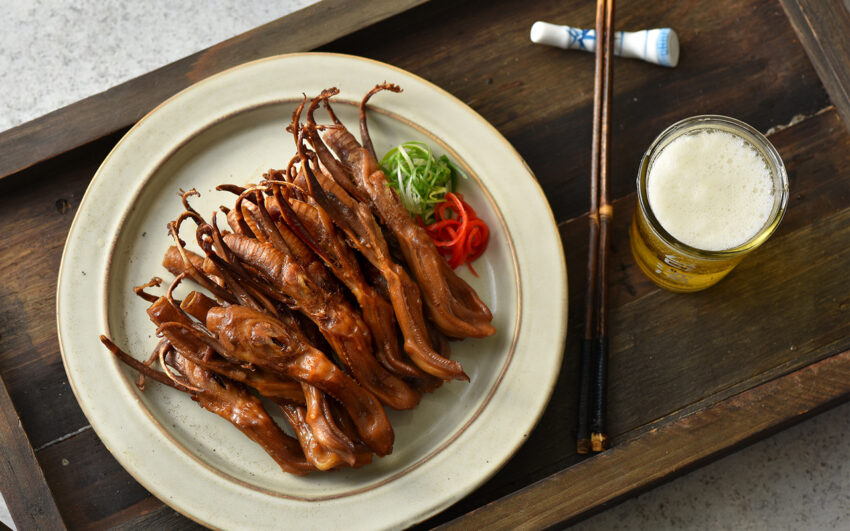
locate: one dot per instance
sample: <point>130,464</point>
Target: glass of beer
<point>710,189</point>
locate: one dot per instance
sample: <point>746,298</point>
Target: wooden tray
<point>691,376</point>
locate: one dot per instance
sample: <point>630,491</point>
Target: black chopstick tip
<point>583,446</point>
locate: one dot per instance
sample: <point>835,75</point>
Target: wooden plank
<point>667,451</point>
<point>93,489</point>
<point>121,106</point>
<point>21,480</point>
<point>716,333</point>
<point>37,220</point>
<point>159,517</point>
<point>823,27</point>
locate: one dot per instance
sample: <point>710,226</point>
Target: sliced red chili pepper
<point>457,231</point>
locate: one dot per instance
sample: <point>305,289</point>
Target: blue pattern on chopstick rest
<point>578,36</point>
<point>658,46</point>
<point>662,48</point>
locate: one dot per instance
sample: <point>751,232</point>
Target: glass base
<point>669,272</point>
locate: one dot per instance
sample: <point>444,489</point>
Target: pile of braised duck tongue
<point>313,306</point>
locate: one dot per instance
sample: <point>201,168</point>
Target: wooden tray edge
<point>22,481</point>
<point>822,27</point>
<point>669,450</point>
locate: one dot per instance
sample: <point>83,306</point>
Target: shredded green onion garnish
<point>421,180</point>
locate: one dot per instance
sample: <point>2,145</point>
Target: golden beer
<point>706,191</point>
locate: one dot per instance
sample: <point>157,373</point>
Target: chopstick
<point>593,363</point>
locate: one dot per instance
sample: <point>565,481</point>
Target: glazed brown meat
<point>318,417</point>
<point>230,401</point>
<point>452,304</point>
<point>318,455</point>
<point>377,311</point>
<point>234,403</point>
<point>196,304</point>
<point>328,444</point>
<point>268,384</point>
<point>356,221</point>
<point>304,302</point>
<point>256,338</point>
<point>323,425</point>
<point>341,325</point>
<point>173,261</point>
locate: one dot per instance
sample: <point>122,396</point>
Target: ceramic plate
<point>230,129</point>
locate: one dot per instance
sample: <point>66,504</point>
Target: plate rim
<point>173,148</point>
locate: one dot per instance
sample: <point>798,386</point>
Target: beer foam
<point>711,190</point>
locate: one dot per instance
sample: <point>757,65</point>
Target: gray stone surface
<point>53,53</point>
<point>797,479</point>
<point>5,517</point>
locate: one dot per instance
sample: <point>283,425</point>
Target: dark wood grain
<point>807,257</point>
<point>37,221</point>
<point>792,295</point>
<point>673,355</point>
<point>21,480</point>
<point>123,105</point>
<point>668,451</point>
<point>541,98</point>
<point>823,27</point>
<point>92,489</point>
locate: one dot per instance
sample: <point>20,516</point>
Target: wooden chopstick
<point>593,363</point>
<point>599,387</point>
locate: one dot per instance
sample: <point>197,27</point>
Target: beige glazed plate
<point>230,129</point>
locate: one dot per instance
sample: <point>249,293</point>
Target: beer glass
<point>678,266</point>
